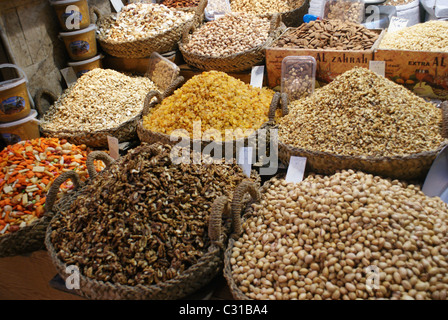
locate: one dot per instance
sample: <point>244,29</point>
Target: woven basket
<point>191,280</point>
<point>233,62</point>
<point>31,238</point>
<point>409,167</point>
<point>253,140</point>
<point>240,209</point>
<point>164,42</point>
<point>126,131</point>
<point>293,18</point>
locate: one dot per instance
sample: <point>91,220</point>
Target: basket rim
<point>211,252</point>
<point>423,154</point>
<point>110,17</point>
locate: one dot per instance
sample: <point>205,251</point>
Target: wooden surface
<point>33,277</point>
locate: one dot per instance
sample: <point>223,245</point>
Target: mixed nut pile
<point>100,99</point>
<point>428,36</point>
<point>347,236</point>
<point>362,113</point>
<point>231,34</point>
<point>138,21</point>
<point>143,220</point>
<point>180,3</point>
<point>328,34</point>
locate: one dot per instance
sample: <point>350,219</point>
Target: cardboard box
<point>329,63</point>
<point>423,72</point>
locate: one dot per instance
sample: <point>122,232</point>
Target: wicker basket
<point>292,18</point>
<point>126,131</point>
<point>164,42</point>
<point>253,139</point>
<point>31,238</point>
<point>233,62</point>
<point>240,209</point>
<point>191,280</point>
<point>409,167</point>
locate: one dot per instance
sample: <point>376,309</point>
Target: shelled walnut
<point>143,220</point>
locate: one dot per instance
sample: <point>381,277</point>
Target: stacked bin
<point>17,118</point>
<point>78,34</point>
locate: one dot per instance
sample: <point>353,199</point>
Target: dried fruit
<point>219,101</point>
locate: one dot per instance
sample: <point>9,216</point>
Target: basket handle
<point>284,102</point>
<point>220,208</point>
<point>54,188</point>
<point>444,108</point>
<point>173,86</point>
<point>97,155</point>
<point>189,28</point>
<point>279,99</point>
<point>38,97</point>
<point>95,11</point>
<point>246,186</point>
<point>151,94</point>
<point>276,20</point>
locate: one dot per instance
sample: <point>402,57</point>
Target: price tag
<point>117,4</point>
<point>69,76</point>
<point>397,23</point>
<point>256,76</point>
<point>245,160</point>
<point>379,67</point>
<point>114,149</point>
<point>217,16</point>
<point>296,169</point>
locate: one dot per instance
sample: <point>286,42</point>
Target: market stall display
<point>145,227</point>
<point>328,34</point>
<point>337,46</point>
<point>99,104</point>
<point>235,42</point>
<point>415,57</point>
<point>29,169</point>
<point>347,236</point>
<point>363,121</point>
<point>212,106</point>
<point>140,29</point>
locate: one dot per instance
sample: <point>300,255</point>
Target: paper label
<point>397,23</point>
<point>245,160</point>
<point>256,77</point>
<point>296,169</point>
<point>117,4</point>
<point>114,149</point>
<point>69,76</point>
<point>379,67</point>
